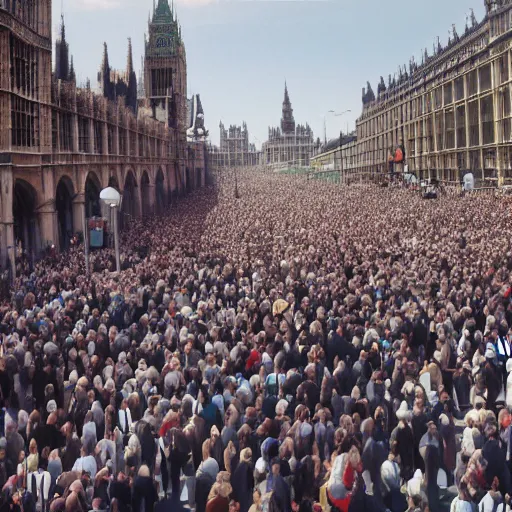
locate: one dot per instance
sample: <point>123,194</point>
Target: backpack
<point>399,155</point>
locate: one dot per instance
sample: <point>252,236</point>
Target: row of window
<point>475,82</point>
<point>25,10</point>
<point>23,69</point>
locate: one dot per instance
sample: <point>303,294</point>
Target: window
<point>472,83</point>
<point>98,137</point>
<point>429,130</point>
<point>505,130</point>
<point>24,77</point>
<point>141,144</point>
<point>474,130</point>
<point>487,120</point>
<point>459,88</point>
<point>55,130</point>
<point>428,103</point>
<point>133,143</point>
<point>504,102</point>
<point>474,161</point>
<point>440,131</point>
<point>449,123</point>
<point>461,126</point>
<point>83,135</point>
<point>485,78</point>
<point>24,120</point>
<point>448,93</point>
<point>66,131</point>
<point>490,164</point>
<point>110,135</point>
<point>122,141</point>
<point>503,68</point>
<point>461,160</point>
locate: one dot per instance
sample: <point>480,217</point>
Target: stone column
<point>46,212</point>
<point>78,212</point>
<point>152,198</point>
<point>47,217</point>
<point>7,246</point>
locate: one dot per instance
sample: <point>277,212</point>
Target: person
<point>313,361</point>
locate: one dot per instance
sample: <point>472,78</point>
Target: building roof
<point>162,13</point>
<point>335,143</point>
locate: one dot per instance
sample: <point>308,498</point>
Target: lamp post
<point>341,144</point>
<point>325,124</point>
<point>111,197</point>
<point>86,241</point>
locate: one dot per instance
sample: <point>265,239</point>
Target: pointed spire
<point>62,28</point>
<point>72,75</point>
<point>474,22</point>
<point>105,67</point>
<point>286,96</point>
<point>129,63</point>
<point>61,54</point>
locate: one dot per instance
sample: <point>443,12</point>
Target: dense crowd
<point>304,347</point>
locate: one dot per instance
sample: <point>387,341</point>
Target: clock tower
<point>165,81</point>
<point>165,67</point>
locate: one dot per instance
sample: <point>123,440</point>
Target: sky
<point>240,52</point>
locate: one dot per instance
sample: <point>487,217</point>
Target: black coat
<point>242,481</point>
<point>143,492</point>
<point>204,484</point>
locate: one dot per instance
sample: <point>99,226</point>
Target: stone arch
<point>92,191</point>
<point>130,204</point>
<point>27,235</point>
<point>64,196</point>
<point>145,198</point>
<point>160,192</point>
<point>113,182</point>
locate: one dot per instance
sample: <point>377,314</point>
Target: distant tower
<point>287,120</point>
<point>131,93</point>
<point>105,83</point>
<point>62,54</point>
<point>165,68</point>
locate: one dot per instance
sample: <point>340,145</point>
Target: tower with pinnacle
<point>64,69</point>
<point>113,84</point>
<point>165,67</point>
<point>287,120</point>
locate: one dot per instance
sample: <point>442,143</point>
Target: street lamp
<point>325,124</point>
<point>343,113</point>
<point>112,198</point>
<point>341,144</point>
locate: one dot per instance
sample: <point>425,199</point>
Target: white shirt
<point>122,420</point>
<point>87,464</point>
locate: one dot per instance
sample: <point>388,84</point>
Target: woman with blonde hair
<point>218,499</point>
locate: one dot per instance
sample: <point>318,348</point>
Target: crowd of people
<point>303,347</point>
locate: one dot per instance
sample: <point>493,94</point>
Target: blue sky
<point>239,52</point>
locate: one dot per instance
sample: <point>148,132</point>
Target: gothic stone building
<point>235,150</point>
<point>291,145</point>
<point>453,112</point>
<point>61,144</point>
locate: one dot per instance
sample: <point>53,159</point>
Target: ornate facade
<point>60,144</point>
<point>452,113</point>
<point>289,145</point>
<point>234,150</point>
